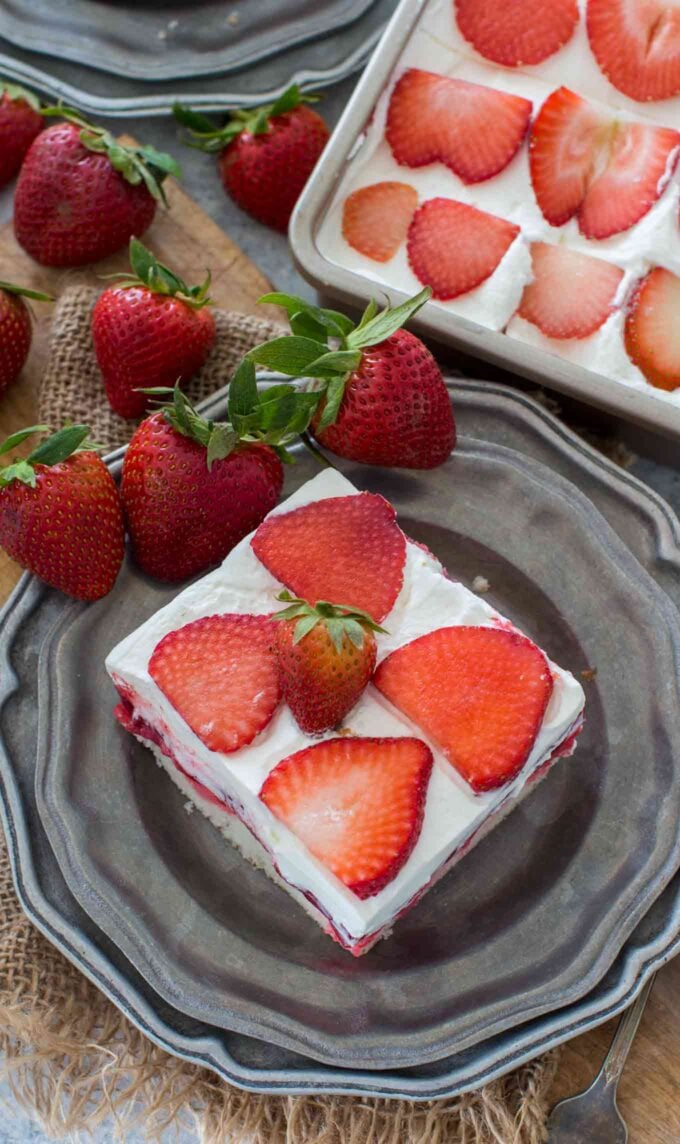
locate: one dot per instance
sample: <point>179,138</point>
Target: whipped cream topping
<point>436,45</point>
<point>428,600</point>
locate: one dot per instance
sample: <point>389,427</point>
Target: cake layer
<point>453,813</point>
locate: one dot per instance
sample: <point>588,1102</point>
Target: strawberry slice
<point>474,130</point>
<point>357,804</point>
<point>220,674</point>
<point>637,45</point>
<point>347,550</point>
<point>479,693</point>
<point>453,247</point>
<point>652,331</point>
<point>571,294</point>
<point>516,32</point>
<point>375,219</point>
<point>606,172</point>
<point>641,159</point>
<point>562,146</point>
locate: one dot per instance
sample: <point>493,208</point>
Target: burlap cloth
<point>72,1057</point>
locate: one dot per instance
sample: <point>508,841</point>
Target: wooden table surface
<point>650,1090</point>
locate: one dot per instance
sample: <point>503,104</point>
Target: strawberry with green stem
<point>151,329</point>
<point>16,332</point>
<point>60,513</point>
<point>384,401</point>
<point>192,488</point>
<point>326,656</point>
<point>20,122</point>
<point>266,154</point>
<point>82,195</point>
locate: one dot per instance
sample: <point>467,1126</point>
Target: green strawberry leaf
<point>277,407</point>
<point>288,354</point>
<point>305,325</point>
<point>156,276</point>
<point>194,120</point>
<point>160,161</point>
<point>338,361</point>
<point>14,92</point>
<point>243,398</point>
<point>60,446</point>
<point>222,441</point>
<point>24,292</point>
<point>304,409</point>
<point>287,101</point>
<point>383,325</point>
<point>354,631</point>
<point>368,314</point>
<point>337,324</point>
<point>19,471</point>
<point>335,391</point>
<point>304,627</point>
<point>20,436</point>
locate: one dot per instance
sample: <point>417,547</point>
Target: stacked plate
<point>113,59</point>
<point>548,927</point>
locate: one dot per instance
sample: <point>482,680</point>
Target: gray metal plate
<point>170,39</point>
<point>646,524</point>
<point>528,922</point>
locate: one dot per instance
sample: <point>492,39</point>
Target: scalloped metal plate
<point>636,513</point>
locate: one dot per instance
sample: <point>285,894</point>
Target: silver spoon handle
<point>626,1029</point>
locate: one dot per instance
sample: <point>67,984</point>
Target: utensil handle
<point>626,1029</point>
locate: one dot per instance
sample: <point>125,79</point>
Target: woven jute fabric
<point>74,1059</point>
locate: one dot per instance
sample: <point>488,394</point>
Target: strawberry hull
<point>276,835</point>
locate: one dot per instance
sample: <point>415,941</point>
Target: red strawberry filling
<point>346,550</point>
<point>220,674</point>
<point>453,247</point>
<point>516,32</point>
<point>356,804</point>
<point>480,693</point>
<point>571,294</point>
<point>473,129</point>
<point>375,219</point>
<point>637,45</point>
<point>652,330</point>
<point>605,172</point>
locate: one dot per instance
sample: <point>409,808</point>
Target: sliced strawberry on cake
<point>453,247</point>
<point>637,45</point>
<point>606,172</point>
<point>474,130</point>
<point>375,219</point>
<point>652,331</point>
<point>347,550</point>
<point>571,294</point>
<point>479,693</point>
<point>356,804</point>
<point>516,32</point>
<point>220,675</point>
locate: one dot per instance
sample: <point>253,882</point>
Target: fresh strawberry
<point>20,122</point>
<point>60,514</point>
<point>375,219</point>
<point>192,489</point>
<point>150,330</point>
<point>266,153</point>
<point>82,195</point>
<point>383,400</point>
<point>220,674</point>
<point>652,331</point>
<point>479,693</point>
<point>474,130</point>
<point>326,656</point>
<point>453,247</point>
<point>517,32</point>
<point>571,294</point>
<point>637,45</point>
<point>356,804</point>
<point>15,329</point>
<point>347,550</point>
<point>606,172</point>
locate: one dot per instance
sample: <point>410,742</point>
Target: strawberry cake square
<point>455,717</point>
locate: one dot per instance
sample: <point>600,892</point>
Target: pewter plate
<point>171,39</point>
<point>530,920</point>
<point>651,531</point>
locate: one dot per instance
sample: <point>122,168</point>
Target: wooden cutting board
<point>184,237</point>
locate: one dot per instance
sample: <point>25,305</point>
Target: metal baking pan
<point>635,405</point>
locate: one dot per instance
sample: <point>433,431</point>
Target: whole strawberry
<point>149,330</point>
<point>82,195</point>
<point>60,514</point>
<point>192,488</point>
<point>15,330</point>
<point>266,154</point>
<point>20,122</point>
<point>383,399</point>
<point>326,656</point>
